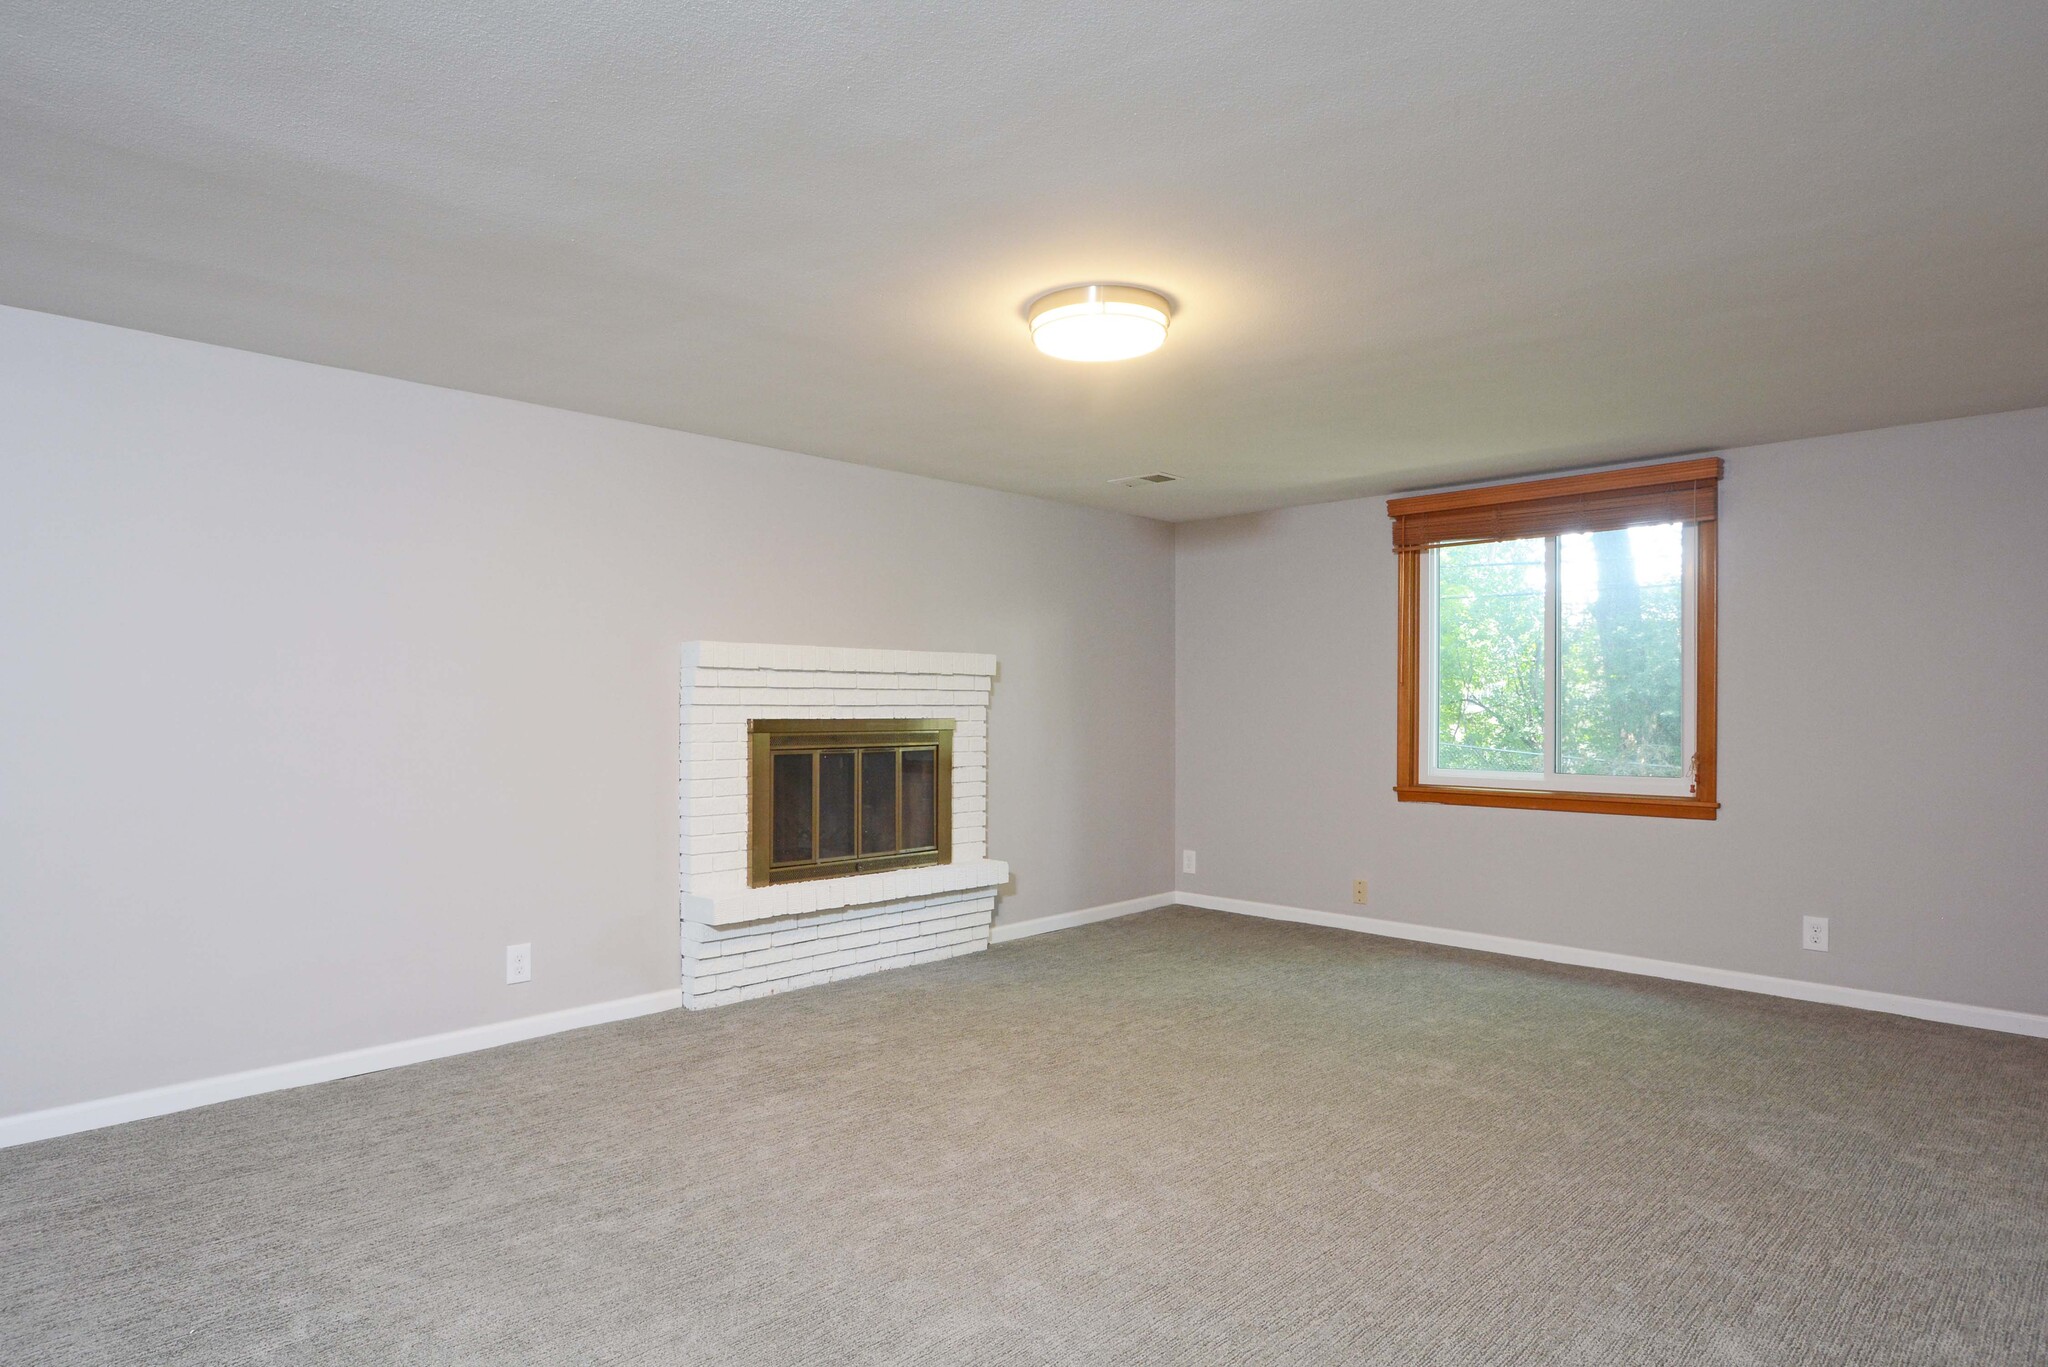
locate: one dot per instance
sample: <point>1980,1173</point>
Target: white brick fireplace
<point>740,941</point>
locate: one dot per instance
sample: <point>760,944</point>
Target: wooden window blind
<point>1680,491</point>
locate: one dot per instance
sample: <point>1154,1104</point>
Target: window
<point>831,798</point>
<point>1557,642</point>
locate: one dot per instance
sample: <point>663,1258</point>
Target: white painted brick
<point>805,934</point>
<point>707,1000</point>
<point>728,946</point>
<point>717,806</point>
<point>716,823</point>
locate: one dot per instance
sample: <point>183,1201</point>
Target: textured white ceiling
<point>1412,242</point>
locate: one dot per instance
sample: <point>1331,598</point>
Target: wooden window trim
<point>1550,502</point>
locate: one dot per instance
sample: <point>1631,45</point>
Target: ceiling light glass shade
<point>1099,322</point>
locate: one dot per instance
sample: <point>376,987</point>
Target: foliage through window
<point>1563,657</point>
<point>1567,667</point>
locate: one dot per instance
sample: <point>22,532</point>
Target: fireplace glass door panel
<point>831,798</point>
<point>919,785</point>
<point>837,793</point>
<point>796,807</point>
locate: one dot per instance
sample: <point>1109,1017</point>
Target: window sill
<point>1610,804</point>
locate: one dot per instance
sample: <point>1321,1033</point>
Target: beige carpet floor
<point>1182,1137</point>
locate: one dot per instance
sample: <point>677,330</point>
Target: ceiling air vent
<point>1133,481</point>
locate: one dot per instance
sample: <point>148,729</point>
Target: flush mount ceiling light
<point>1099,322</point>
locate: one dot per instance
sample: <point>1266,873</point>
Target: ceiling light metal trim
<point>1099,322</point>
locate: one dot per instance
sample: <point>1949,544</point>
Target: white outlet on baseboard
<point>518,963</point>
<point>1187,861</point>
<point>1813,933</point>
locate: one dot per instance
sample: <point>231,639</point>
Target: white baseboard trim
<point>1039,925</point>
<point>30,1126</point>
<point>1922,1008</point>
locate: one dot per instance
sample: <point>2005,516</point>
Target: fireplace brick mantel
<point>740,941</point>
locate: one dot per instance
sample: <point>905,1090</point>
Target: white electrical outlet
<point>1187,861</point>
<point>1813,933</point>
<point>518,963</point>
<point>1358,891</point>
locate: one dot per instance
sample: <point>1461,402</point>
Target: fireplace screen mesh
<point>832,798</point>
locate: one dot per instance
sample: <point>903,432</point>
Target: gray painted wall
<point>317,689</point>
<point>321,688</point>
<point>1884,731</point>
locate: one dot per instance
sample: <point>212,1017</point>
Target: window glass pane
<point>920,799</point>
<point>877,801</point>
<point>1489,656</point>
<point>792,807</point>
<point>835,804</point>
<point>1620,641</point>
